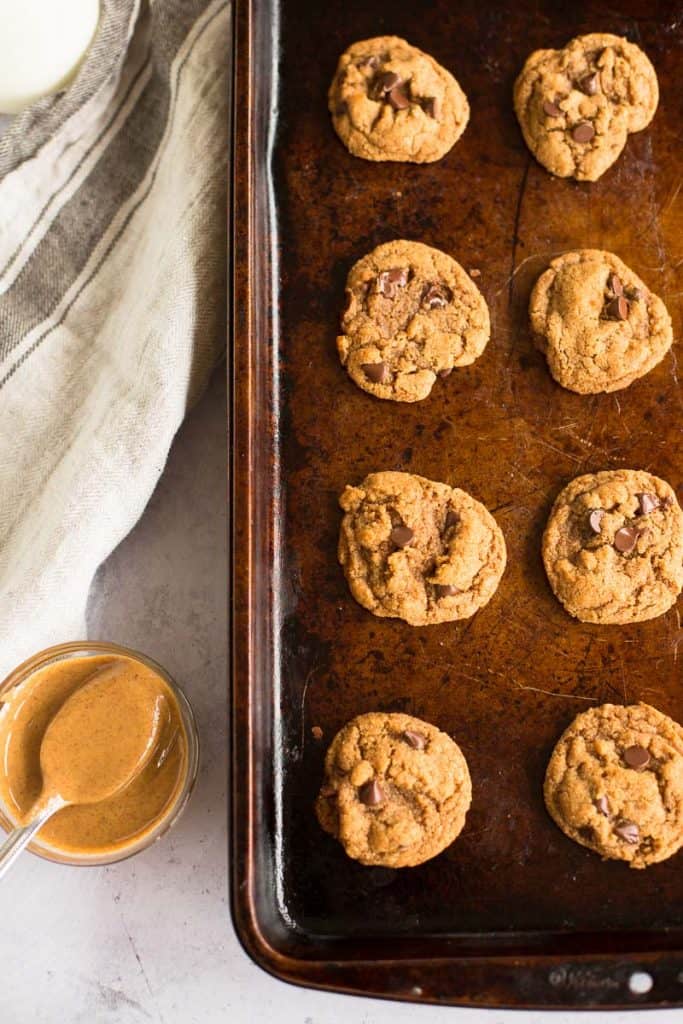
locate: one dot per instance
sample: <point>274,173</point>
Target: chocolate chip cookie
<point>412,315</point>
<point>396,790</point>
<point>418,550</point>
<point>615,783</point>
<point>391,101</point>
<point>577,106</point>
<point>599,326</point>
<point>613,547</point>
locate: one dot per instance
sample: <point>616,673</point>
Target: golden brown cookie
<point>597,323</point>
<point>396,790</point>
<point>613,547</point>
<point>412,315</point>
<point>577,106</point>
<point>615,783</point>
<point>391,101</point>
<point>418,550</point>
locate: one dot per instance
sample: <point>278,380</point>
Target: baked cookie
<point>396,790</point>
<point>615,783</point>
<point>597,323</point>
<point>613,547</point>
<point>412,314</point>
<point>577,106</point>
<point>391,101</point>
<point>418,550</point>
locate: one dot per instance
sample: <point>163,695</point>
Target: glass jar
<point>171,813</point>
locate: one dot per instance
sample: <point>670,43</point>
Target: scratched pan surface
<point>513,913</point>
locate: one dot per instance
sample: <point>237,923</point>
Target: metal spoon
<point>80,761</point>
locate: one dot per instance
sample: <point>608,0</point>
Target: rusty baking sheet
<point>513,913</point>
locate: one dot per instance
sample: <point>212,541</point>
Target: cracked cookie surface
<point>614,783</point>
<point>418,550</point>
<point>598,325</point>
<point>412,315</point>
<point>576,106</point>
<point>613,547</point>
<point>396,790</point>
<point>391,101</point>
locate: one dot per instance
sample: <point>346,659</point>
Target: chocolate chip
<point>625,539</point>
<point>452,519</point>
<point>583,132</point>
<point>415,739</point>
<point>446,590</point>
<point>446,372</point>
<point>617,309</point>
<point>436,296</point>
<point>378,373</point>
<point>589,84</point>
<point>614,282</point>
<point>629,831</point>
<point>636,757</point>
<point>638,294</point>
<point>383,83</point>
<point>389,281</point>
<point>401,536</point>
<point>595,518</point>
<point>371,793</point>
<point>432,107</point>
<point>368,62</point>
<point>602,805</point>
<point>398,97</point>
<point>551,109</point>
<point>648,503</point>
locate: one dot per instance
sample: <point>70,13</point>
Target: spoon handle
<point>21,837</point>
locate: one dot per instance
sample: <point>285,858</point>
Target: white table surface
<point>151,939</point>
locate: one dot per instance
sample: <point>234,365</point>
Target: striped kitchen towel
<point>113,229</point>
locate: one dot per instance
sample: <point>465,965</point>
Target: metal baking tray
<point>513,913</point>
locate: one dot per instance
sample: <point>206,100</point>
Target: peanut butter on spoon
<point>97,743</point>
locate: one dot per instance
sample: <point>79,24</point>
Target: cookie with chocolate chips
<point>418,550</point>
<point>396,790</point>
<point>613,547</point>
<point>391,101</point>
<point>598,324</point>
<point>412,315</point>
<point>577,106</point>
<point>615,783</point>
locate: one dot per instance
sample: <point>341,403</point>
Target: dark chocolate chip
<point>446,590</point>
<point>432,107</point>
<point>589,84</point>
<point>371,793</point>
<point>625,539</point>
<point>636,757</point>
<point>551,109</point>
<point>595,518</point>
<point>383,83</point>
<point>368,62</point>
<point>629,831</point>
<point>452,519</point>
<point>617,309</point>
<point>389,281</point>
<point>401,536</point>
<point>648,503</point>
<point>446,372</point>
<point>583,132</point>
<point>415,739</point>
<point>637,294</point>
<point>614,282</point>
<point>378,373</point>
<point>436,296</point>
<point>398,97</point>
<point>602,805</point>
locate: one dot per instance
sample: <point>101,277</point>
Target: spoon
<point>88,752</point>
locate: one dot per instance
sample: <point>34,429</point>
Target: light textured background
<point>150,939</point>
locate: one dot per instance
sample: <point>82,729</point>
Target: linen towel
<point>113,227</point>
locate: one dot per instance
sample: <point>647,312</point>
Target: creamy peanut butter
<point>104,732</point>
